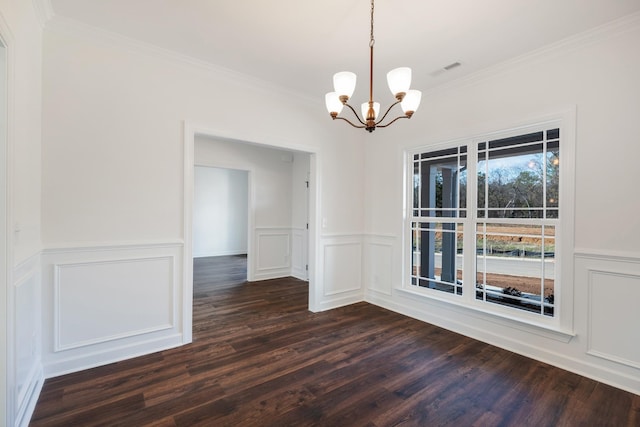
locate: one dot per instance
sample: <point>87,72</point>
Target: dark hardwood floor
<point>260,358</point>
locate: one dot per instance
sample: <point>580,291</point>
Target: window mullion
<point>469,239</point>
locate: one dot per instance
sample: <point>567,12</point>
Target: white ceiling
<point>299,44</point>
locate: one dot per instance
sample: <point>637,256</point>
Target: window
<point>439,199</point>
<point>483,222</point>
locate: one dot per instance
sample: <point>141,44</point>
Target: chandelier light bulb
<point>411,102</point>
<point>344,83</point>
<point>334,105</point>
<point>399,80</point>
<point>365,109</point>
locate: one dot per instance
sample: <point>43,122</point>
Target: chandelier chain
<point>372,41</point>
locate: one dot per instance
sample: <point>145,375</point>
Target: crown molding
<point>76,28</point>
<point>44,11</point>
<point>563,47</point>
<point>63,24</point>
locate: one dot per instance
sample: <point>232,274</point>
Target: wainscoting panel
<point>273,253</point>
<point>342,265</point>
<point>613,315</point>
<point>378,264</point>
<point>96,302</point>
<point>612,286</point>
<point>25,359</point>
<point>107,303</point>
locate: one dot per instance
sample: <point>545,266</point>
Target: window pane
<point>416,185</point>
<point>518,177</point>
<point>553,175</point>
<point>462,181</point>
<point>436,183</point>
<point>515,183</point>
<point>440,153</point>
<point>515,266</point>
<point>439,180</point>
<point>515,140</point>
<point>437,256</point>
<point>481,180</point>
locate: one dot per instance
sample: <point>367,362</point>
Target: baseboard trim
<point>85,361</point>
<point>340,302</point>
<point>30,398</point>
<point>223,253</point>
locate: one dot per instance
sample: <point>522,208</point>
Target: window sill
<point>512,321</point>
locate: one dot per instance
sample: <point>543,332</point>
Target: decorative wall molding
<point>598,254</point>
<point>63,248</point>
<point>342,266</point>
<point>612,290</point>
<point>44,11</point>
<point>337,237</point>
<point>75,284</point>
<point>272,252</point>
<point>26,269</point>
<point>379,263</point>
<point>554,50</point>
<point>79,29</point>
<point>103,355</point>
<point>613,298</point>
<point>26,334</point>
<point>112,302</point>
<point>29,396</point>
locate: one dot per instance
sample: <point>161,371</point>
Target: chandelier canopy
<point>399,81</point>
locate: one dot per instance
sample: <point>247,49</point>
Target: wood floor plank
<point>260,358</point>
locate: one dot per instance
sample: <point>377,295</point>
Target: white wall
<point>114,114</point>
<point>220,212</point>
<point>597,75</point>
<point>20,366</point>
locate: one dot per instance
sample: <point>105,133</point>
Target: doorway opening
<point>221,218</point>
<point>281,208</point>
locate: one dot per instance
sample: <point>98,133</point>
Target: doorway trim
<point>190,132</point>
<point>8,399</point>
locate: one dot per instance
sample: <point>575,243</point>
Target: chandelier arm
<point>387,112</point>
<point>352,124</point>
<point>355,114</point>
<point>393,121</point>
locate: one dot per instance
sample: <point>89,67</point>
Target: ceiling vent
<point>452,66</point>
<point>444,69</point>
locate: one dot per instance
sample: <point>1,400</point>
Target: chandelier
<point>399,81</point>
